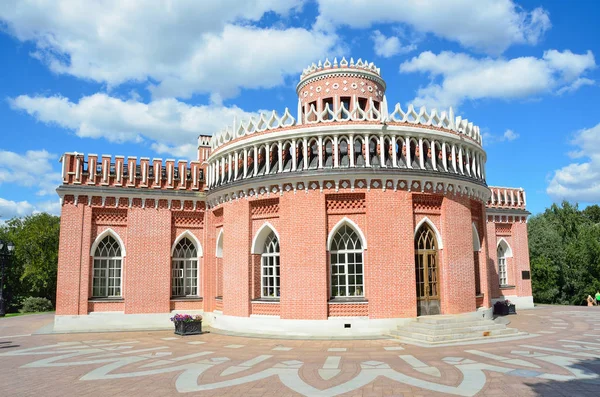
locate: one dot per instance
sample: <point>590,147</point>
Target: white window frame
<point>103,264</point>
<point>345,274</point>
<point>502,268</point>
<point>270,255</point>
<point>185,266</point>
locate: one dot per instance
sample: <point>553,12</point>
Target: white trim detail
<point>101,236</point>
<point>258,243</point>
<point>476,243</point>
<point>349,222</point>
<point>219,246</point>
<point>189,235</point>
<point>438,236</point>
<point>507,250</point>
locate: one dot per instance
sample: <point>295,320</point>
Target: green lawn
<point>24,314</point>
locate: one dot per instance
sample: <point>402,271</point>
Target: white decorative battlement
<point>204,140</point>
<point>329,115</point>
<point>344,64</point>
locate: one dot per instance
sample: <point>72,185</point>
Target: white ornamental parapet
<point>331,114</point>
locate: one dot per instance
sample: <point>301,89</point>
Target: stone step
<point>441,326</point>
<point>421,337</point>
<point>418,342</point>
<point>452,330</point>
<point>448,319</point>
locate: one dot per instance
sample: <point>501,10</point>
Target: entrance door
<point>427,272</point>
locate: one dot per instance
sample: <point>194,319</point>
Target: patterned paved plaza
<point>561,357</point>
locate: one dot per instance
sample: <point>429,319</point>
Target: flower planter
<point>188,328</point>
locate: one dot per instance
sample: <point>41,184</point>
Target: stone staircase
<point>448,329</point>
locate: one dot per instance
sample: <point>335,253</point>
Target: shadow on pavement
<point>577,387</point>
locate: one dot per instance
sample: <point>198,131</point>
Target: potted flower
<point>503,308</point>
<point>186,324</point>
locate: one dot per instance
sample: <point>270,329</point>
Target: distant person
<point>590,300</point>
<point>597,297</point>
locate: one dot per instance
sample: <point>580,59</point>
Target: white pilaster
<point>367,151</point>
<point>408,155</point>
<point>320,145</point>
<point>381,150</point>
<point>293,151</point>
<point>351,150</point>
<point>394,148</point>
<point>336,153</point>
<point>280,154</point>
<point>421,154</point>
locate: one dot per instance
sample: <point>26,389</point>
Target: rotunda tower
<point>344,90</point>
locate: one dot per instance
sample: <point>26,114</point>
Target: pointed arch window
<point>107,270</point>
<point>346,256</point>
<point>269,263</point>
<point>502,274</point>
<point>184,279</point>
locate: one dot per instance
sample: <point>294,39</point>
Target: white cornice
<point>279,184</point>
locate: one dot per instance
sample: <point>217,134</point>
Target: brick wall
<point>304,270</point>
<point>147,267</point>
<point>303,221</point>
<point>458,271</point>
<point>236,257</point>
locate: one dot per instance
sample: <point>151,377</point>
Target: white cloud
<point>10,209</point>
<point>508,136</point>
<point>171,126</point>
<point>487,25</point>
<point>181,47</point>
<point>574,86</point>
<point>389,46</point>
<point>32,169</point>
<point>464,77</point>
<point>580,182</point>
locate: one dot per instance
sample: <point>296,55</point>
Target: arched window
<point>502,274</point>
<point>107,268</point>
<point>184,280</point>
<point>346,263</point>
<point>270,267</point>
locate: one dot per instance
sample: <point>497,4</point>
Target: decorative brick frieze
<point>348,309</point>
<point>266,308</point>
<point>346,203</point>
<point>187,219</point>
<point>427,203</point>
<point>264,208</point>
<point>503,229</point>
<point>104,216</point>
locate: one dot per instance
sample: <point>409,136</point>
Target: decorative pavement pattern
<point>561,357</point>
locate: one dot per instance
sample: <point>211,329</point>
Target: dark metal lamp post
<point>6,249</point>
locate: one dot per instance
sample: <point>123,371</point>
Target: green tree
<point>592,212</point>
<point>34,261</point>
<point>564,249</point>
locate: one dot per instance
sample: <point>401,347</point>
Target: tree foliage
<point>33,265</point>
<point>564,250</point>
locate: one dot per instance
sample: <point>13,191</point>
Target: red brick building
<point>348,218</point>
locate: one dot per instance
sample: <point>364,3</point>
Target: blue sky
<point>145,78</point>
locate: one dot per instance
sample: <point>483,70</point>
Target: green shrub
<point>34,304</point>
